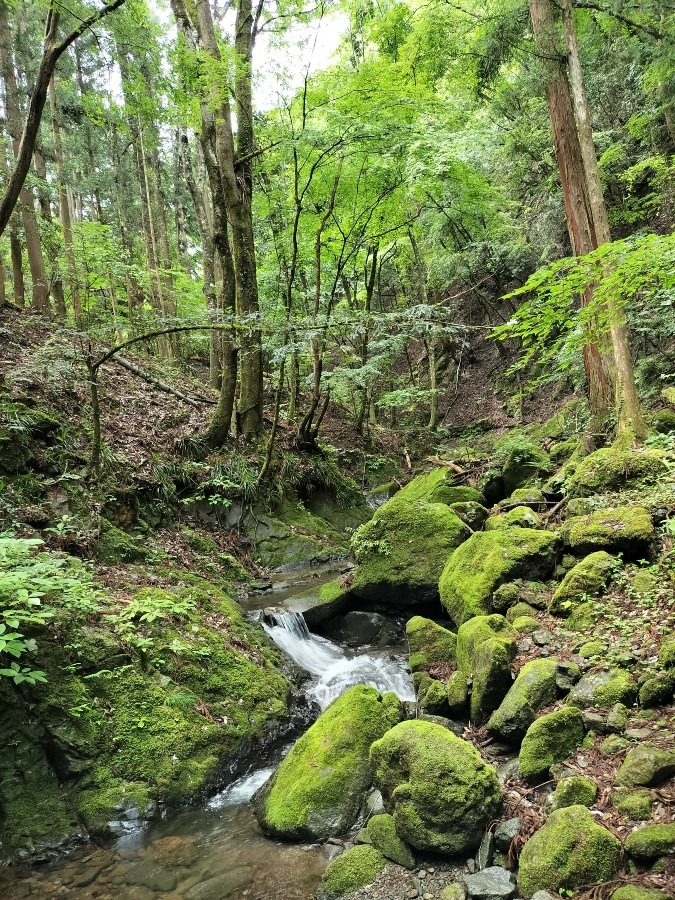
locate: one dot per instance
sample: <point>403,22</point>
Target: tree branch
<point>629,23</point>
<point>51,52</point>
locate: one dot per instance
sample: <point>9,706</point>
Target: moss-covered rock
<point>583,618</point>
<point>667,653</point>
<point>519,610</point>
<point>612,469</point>
<point>646,766</point>
<point>603,687</point>
<point>657,691</point>
<point>487,560</point>
<point>523,464</point>
<point>471,513</point>
<point>576,790</point>
<point>530,497</point>
<point>526,625</point>
<point>485,650</point>
<point>635,805</point>
<point>587,580</point>
<point>664,421</point>
<point>429,644</point>
<point>550,739</point>
<point>402,550</point>
<point>651,841</point>
<point>518,517</point>
<point>382,834</point>
<point>570,850</point>
<point>351,870</point>
<point>317,790</point>
<point>628,529</point>
<point>433,697</point>
<point>457,692</point>
<point>637,892</point>
<point>437,487</point>
<point>115,546</point>
<point>534,688</point>
<point>291,536</point>
<point>441,793</point>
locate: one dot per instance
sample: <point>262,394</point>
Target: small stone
<point>486,851</point>
<point>493,883</point>
<point>428,897</point>
<point>638,734</point>
<point>542,637</point>
<point>422,874</point>
<point>454,891</point>
<point>505,832</point>
<point>471,865</point>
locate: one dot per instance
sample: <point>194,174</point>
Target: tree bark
<point>627,406</point>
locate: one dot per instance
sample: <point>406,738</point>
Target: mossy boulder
<point>523,464</point>
<point>518,611</point>
<point>429,644</point>
<point>402,550</point>
<point>437,487</point>
<point>471,513</point>
<point>657,691</point>
<point>603,687</point>
<point>433,697</point>
<point>291,537</point>
<point>322,603</point>
<point>530,497</point>
<point>457,694</point>
<point>651,841</point>
<point>646,766</point>
<point>637,892</point>
<point>486,648</point>
<point>440,792</point>
<point>612,469</point>
<point>627,529</point>
<point>667,653</point>
<point>115,546</point>
<point>534,688</point>
<point>318,789</point>
<point>526,625</point>
<point>588,579</point>
<point>635,805</point>
<point>487,560</point>
<point>382,834</point>
<point>550,739</point>
<point>352,870</point>
<point>664,421</point>
<point>570,850</point>
<point>583,617</point>
<point>576,790</point>
<point>518,517</point>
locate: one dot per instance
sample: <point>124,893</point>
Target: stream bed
<point>217,851</point>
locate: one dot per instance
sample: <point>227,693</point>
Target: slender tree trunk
<point>627,405</point>
<point>598,359</point>
<point>3,279</point>
<point>83,89</point>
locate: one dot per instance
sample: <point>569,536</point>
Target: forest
<point>337,449</point>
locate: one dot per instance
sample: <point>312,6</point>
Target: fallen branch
<point>155,382</point>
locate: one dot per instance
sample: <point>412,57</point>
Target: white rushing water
<point>241,790</point>
<point>334,668</point>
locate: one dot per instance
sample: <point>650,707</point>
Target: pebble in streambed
<point>424,883</point>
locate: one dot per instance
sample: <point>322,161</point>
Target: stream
<point>217,851</point>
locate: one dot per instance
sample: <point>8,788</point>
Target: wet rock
<point>651,842</point>
<point>486,851</point>
<point>359,629</point>
<point>227,884</point>
<point>153,875</point>
<point>493,883</point>
<point>383,836</point>
<point>566,676</point>
<point>505,832</point>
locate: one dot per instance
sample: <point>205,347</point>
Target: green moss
<point>330,591</point>
<point>351,870</point>
<point>534,688</point>
<point>637,892</point>
<point>592,649</point>
<point>645,766</point>
<point>626,528</point>
<point>613,469</point>
<point>382,833</point>
<point>657,691</point>
<point>488,559</point>
<point>519,610</point>
<point>433,699</point>
<point>457,693</point>
<point>115,545</point>
<point>577,790</point>
<point>583,618</point>
<point>613,744</point>
<point>603,687</point>
<point>525,625</point>
<point>664,421</point>
<point>588,579</point>
<point>635,805</point>
<point>550,739</point>
<point>437,487</point>
<point>293,535</point>
<point>651,842</point>
<point>98,806</point>
<point>441,793</point>
<point>485,650</point>
<point>570,850</point>
<point>506,596</point>
<point>403,549</point>
<point>317,791</point>
<point>429,644</point>
<point>523,463</point>
<point>519,517</point>
<point>667,653</point>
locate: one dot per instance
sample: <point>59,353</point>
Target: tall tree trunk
<point>598,359</point>
<point>40,290</point>
<point>64,209</point>
<point>83,89</point>
<point>627,406</point>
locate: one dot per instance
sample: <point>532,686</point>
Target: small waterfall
<point>335,669</point>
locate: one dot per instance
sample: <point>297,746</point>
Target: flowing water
<point>217,851</point>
